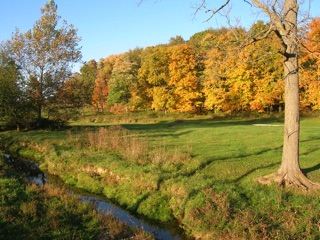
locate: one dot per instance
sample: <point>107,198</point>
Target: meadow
<point>200,172</point>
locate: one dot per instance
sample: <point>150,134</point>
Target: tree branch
<point>218,10</point>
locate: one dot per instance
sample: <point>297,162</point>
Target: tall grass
<point>120,140</point>
<point>133,147</point>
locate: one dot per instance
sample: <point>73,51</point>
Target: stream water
<point>159,231</point>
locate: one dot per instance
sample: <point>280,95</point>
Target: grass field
<point>199,171</point>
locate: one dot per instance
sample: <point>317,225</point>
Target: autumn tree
<point>77,91</point>
<point>310,66</point>
<point>103,76</point>
<point>265,67</point>
<point>69,100</point>
<point>153,77</point>
<point>284,23</point>
<point>183,80</point>
<point>46,54</point>
<point>235,80</point>
<point>219,72</point>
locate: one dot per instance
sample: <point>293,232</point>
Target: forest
<point>212,71</point>
<point>215,71</point>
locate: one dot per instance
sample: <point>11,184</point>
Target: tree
<point>176,41</point>
<point>153,78</point>
<point>284,23</point>
<point>223,72</point>
<point>310,67</point>
<point>183,79</point>
<point>265,66</point>
<point>77,91</point>
<point>262,66</point>
<point>86,81</point>
<point>13,103</point>
<point>46,54</point>
<point>103,76</point>
<point>120,82</point>
<point>134,57</point>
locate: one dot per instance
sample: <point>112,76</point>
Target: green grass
<point>30,212</point>
<point>201,172</point>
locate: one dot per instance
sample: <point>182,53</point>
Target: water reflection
<point>132,221</point>
<point>33,174</point>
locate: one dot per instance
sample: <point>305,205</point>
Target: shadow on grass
<point>253,170</point>
<point>167,128</point>
<point>311,150</point>
<point>311,169</point>
<point>242,156</point>
<point>179,127</point>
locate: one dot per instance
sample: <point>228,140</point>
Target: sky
<point>115,26</point>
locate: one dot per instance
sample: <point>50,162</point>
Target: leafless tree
<point>283,15</point>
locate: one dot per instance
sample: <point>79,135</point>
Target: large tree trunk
<point>290,172</point>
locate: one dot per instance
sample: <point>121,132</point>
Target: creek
<point>158,230</point>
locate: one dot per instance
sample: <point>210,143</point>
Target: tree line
<point>212,71</point>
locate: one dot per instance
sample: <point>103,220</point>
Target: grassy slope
<point>201,172</point>
<point>31,212</point>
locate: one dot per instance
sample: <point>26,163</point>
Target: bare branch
<point>248,2</point>
<point>202,5</point>
<point>274,17</point>
<point>220,8</point>
<point>257,37</point>
<point>215,11</point>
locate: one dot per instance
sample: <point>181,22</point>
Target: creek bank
<point>35,175</point>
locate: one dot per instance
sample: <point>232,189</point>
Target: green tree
<point>86,81</point>
<point>46,54</point>
<point>14,107</point>
<point>77,91</point>
<point>176,41</point>
<point>124,74</point>
<point>135,57</point>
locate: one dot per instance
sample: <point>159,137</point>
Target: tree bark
<point>290,173</point>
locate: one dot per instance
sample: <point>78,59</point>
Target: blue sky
<point>115,26</point>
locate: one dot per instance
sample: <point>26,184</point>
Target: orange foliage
<point>183,78</point>
<point>211,70</point>
<point>245,79</point>
<point>100,92</point>
<point>310,68</point>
